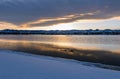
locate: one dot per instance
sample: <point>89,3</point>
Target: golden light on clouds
<point>28,24</point>
<point>29,14</point>
<point>62,24</point>
<point>56,21</point>
<point>6,25</point>
<point>117,18</point>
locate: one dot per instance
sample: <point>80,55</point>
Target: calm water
<point>94,42</point>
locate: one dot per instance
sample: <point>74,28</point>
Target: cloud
<point>6,25</point>
<point>58,20</point>
<point>30,13</point>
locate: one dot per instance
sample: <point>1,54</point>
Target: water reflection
<point>107,43</point>
<point>56,48</point>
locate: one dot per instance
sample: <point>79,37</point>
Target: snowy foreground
<point>16,65</point>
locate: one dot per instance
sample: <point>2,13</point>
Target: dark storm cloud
<point>29,11</point>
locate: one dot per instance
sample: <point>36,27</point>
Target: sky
<point>59,14</point>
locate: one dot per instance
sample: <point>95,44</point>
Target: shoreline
<point>35,66</point>
<point>62,32</point>
<point>94,56</point>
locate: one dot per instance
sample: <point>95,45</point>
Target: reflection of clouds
<point>109,43</point>
<point>98,56</point>
<point>62,40</point>
<point>8,44</point>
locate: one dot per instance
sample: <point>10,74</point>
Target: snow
<point>17,65</point>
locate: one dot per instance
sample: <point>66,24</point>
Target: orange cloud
<point>58,20</point>
<point>6,25</point>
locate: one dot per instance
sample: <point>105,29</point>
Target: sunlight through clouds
<point>6,25</point>
<point>26,14</point>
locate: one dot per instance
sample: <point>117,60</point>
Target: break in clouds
<point>29,13</point>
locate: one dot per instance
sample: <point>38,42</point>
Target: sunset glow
<point>68,15</point>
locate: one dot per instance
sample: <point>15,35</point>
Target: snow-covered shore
<point>16,65</point>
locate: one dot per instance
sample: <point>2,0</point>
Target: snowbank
<point>16,65</point>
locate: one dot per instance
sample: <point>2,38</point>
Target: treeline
<point>62,32</point>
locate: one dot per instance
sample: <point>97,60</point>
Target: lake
<point>103,49</point>
<point>94,42</point>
